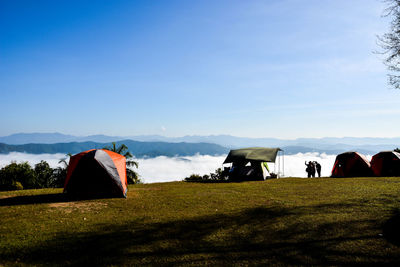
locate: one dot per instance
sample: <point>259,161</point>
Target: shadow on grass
<point>34,199</point>
<point>391,229</point>
<point>255,236</point>
<point>44,199</point>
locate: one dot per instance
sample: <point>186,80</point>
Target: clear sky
<point>272,68</point>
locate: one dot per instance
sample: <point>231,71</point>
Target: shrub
<point>216,176</point>
<point>58,177</point>
<point>44,175</point>
<point>17,172</point>
<point>17,186</point>
<point>194,178</point>
<point>132,176</point>
<point>17,176</point>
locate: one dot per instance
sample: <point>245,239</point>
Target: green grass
<point>276,222</point>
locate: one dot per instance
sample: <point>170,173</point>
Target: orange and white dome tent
<point>97,172</point>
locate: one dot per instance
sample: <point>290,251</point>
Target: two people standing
<point>313,166</point>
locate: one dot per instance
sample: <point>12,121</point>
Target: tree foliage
<point>43,175</point>
<point>17,176</point>
<point>131,175</point>
<point>390,42</point>
<point>216,176</point>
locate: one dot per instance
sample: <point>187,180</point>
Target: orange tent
<point>97,172</point>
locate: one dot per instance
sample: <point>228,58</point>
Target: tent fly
<point>254,163</point>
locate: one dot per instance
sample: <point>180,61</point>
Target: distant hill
<point>138,149</point>
<point>329,145</point>
<point>53,138</point>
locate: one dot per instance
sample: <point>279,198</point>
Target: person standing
<point>318,167</point>
<point>312,164</point>
<point>310,169</point>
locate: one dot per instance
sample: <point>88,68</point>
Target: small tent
<point>386,163</point>
<point>248,163</point>
<point>97,172</point>
<point>351,164</point>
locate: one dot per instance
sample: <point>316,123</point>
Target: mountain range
<point>138,149</point>
<point>155,145</point>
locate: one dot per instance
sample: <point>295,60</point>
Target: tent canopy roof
<point>262,154</point>
<point>387,153</point>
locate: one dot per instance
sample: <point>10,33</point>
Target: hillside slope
<point>275,222</point>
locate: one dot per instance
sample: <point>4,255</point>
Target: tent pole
<point>280,156</point>
<point>280,165</point>
<point>283,160</point>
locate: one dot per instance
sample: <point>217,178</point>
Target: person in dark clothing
<point>310,169</point>
<point>318,167</point>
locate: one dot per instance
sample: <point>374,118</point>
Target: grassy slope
<point>284,221</point>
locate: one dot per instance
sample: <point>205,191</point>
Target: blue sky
<point>284,69</point>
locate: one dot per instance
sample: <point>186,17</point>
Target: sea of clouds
<point>165,169</point>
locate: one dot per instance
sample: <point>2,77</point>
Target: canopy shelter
<point>351,164</point>
<point>386,163</point>
<point>97,173</point>
<point>248,163</point>
<point>261,154</point>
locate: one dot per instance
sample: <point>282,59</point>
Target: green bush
<point>17,186</point>
<point>17,176</point>
<point>58,177</point>
<point>17,172</point>
<point>43,175</point>
<point>194,178</point>
<point>132,176</point>
<point>216,176</point>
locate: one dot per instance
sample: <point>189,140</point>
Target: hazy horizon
<point>194,135</point>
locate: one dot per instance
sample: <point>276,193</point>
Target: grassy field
<point>277,222</point>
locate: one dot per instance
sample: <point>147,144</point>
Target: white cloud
<point>161,169</point>
<point>164,169</point>
<point>295,167</point>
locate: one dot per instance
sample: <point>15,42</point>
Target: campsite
<point>248,219</point>
<point>200,133</point>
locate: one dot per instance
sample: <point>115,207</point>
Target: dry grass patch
<point>68,207</point>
